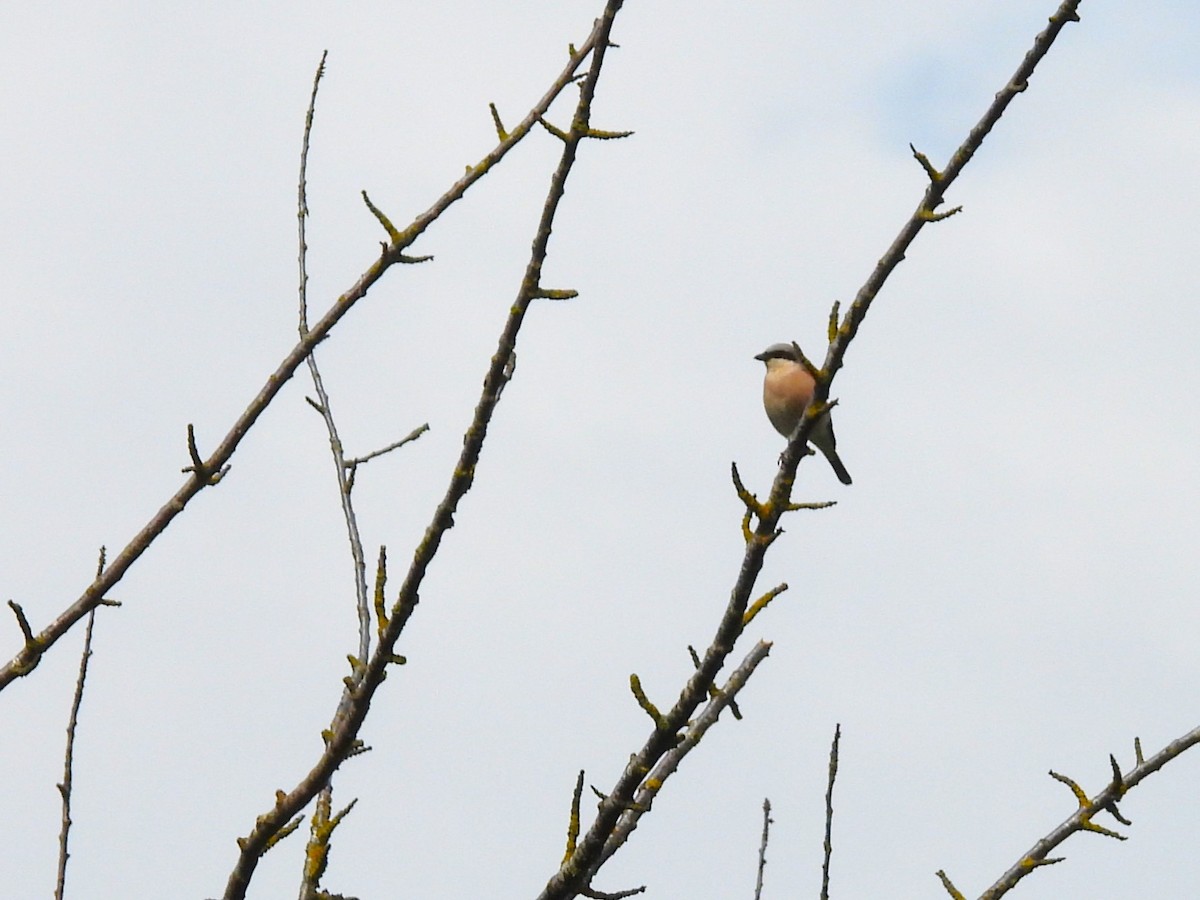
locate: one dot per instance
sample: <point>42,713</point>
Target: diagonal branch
<point>576,872</point>
<point>392,252</point>
<point>341,739</point>
<point>1081,820</point>
<point>633,795</point>
<point>939,183</point>
<point>652,783</point>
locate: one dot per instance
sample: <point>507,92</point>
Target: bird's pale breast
<point>786,391</point>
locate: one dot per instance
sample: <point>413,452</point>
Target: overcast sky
<point>1009,586</point>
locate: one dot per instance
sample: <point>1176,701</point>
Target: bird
<point>787,389</point>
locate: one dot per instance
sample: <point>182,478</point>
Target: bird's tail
<point>838,468</point>
<point>822,438</point>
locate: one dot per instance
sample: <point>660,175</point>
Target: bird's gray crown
<point>778,351</point>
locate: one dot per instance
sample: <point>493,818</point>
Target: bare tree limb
<point>341,739</point>
<point>316,855</point>
<point>573,822</point>
<point>620,804</point>
<point>323,405</point>
<point>682,744</point>
<point>203,470</point>
<point>844,333</point>
<point>1081,820</point>
<point>643,777</point>
<point>353,464</point>
<point>613,895</point>
<point>762,848</point>
<point>833,767</point>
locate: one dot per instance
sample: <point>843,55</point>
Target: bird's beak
<point>761,357</point>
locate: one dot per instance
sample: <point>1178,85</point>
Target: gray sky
<point>1007,588</point>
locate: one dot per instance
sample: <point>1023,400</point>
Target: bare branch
<point>199,468</point>
<point>380,601</point>
<point>500,132</point>
<point>30,654</point>
<point>322,404</point>
<point>407,439</point>
<point>1081,820</point>
<point>612,895</point>
<point>949,886</point>
<point>64,788</point>
<point>353,464</point>
<point>22,623</point>
<point>635,685</point>
<point>643,777</point>
<point>316,856</point>
<point>712,688</point>
<point>341,739</point>
<point>925,212</point>
<point>762,848</point>
<point>615,817</point>
<point>833,767</point>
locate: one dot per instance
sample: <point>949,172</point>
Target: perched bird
<point>787,390</point>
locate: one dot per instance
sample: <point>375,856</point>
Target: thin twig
<point>64,789</point>
<point>317,851</point>
<point>341,739</point>
<point>407,439</point>
<point>833,767</point>
<point>351,465</point>
<point>323,405</point>
<point>762,848</point>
